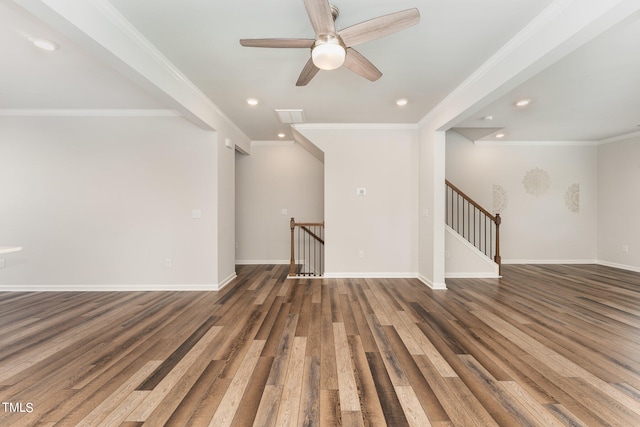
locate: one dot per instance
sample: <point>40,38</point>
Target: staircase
<point>473,223</point>
<point>307,249</point>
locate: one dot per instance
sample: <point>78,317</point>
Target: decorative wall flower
<point>536,182</point>
<point>572,198</point>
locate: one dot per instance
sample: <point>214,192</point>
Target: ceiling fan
<point>331,49</point>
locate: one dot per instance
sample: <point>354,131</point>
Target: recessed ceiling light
<point>44,44</point>
<point>487,118</point>
<point>500,135</point>
<point>402,102</point>
<point>252,101</point>
<point>523,102</point>
<point>281,135</point>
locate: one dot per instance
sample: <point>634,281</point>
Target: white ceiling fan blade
<point>379,27</point>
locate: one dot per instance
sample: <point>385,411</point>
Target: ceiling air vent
<point>290,116</point>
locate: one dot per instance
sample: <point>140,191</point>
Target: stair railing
<point>307,248</point>
<point>477,225</point>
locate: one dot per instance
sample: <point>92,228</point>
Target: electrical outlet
<point>2,263</point>
<point>196,214</point>
<point>167,262</point>
<point>625,248</point>
<point>361,254</point>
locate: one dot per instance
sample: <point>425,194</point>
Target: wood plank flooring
<point>547,345</point>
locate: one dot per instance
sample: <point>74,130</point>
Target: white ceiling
<point>70,78</point>
<point>591,93</point>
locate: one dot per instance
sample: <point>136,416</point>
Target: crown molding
<point>271,143</point>
<point>87,112</point>
<point>619,137</point>
<point>553,143</point>
<point>356,126</point>
<point>550,143</point>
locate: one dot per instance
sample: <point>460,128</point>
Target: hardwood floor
<point>544,346</point>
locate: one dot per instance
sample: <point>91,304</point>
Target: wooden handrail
<point>496,219</point>
<point>470,200</point>
<point>311,233</point>
<point>309,224</point>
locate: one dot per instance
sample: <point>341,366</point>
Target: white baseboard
<point>472,276</point>
<point>112,288</point>
<point>374,275</point>
<point>261,261</point>
<point>432,285</point>
<point>226,281</point>
<point>573,261</point>
<point>620,266</point>
<point>200,287</point>
<point>549,261</point>
<point>423,279</point>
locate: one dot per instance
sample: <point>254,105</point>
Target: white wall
<point>462,259</point>
<point>534,228</point>
<point>431,199</point>
<point>100,203</point>
<point>382,224</point>
<point>226,202</point>
<point>619,203</point>
<point>275,176</point>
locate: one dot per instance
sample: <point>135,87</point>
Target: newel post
<point>292,262</point>
<point>497,258</point>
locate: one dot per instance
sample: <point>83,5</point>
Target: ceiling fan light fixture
<point>328,53</point>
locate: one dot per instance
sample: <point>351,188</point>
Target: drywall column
<point>432,199</point>
<point>226,188</point>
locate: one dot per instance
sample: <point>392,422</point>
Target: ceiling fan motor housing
<point>335,12</point>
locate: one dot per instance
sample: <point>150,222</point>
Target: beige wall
<point>382,226</point>
<point>619,203</point>
<point>534,228</point>
<point>275,176</point>
<point>100,203</point>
